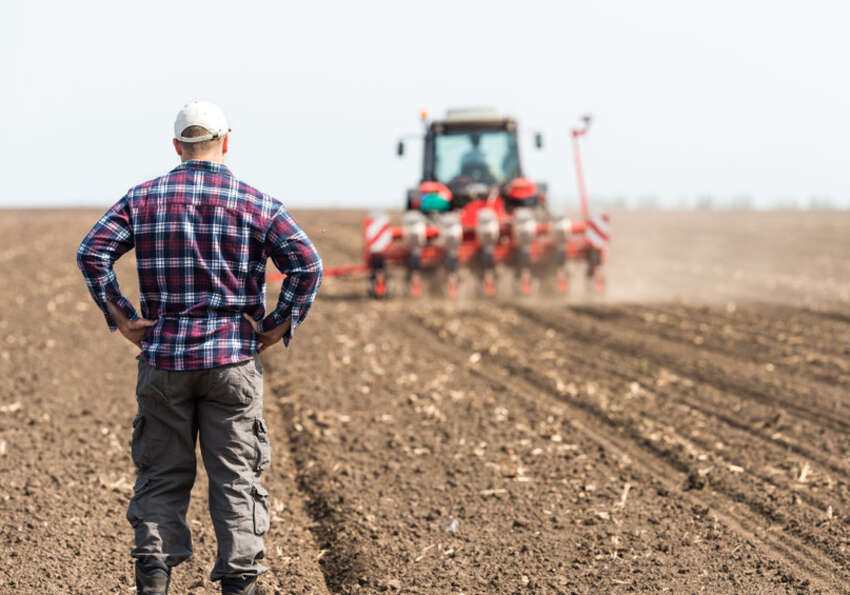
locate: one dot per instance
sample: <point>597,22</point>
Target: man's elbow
<point>88,259</point>
<point>83,256</point>
<point>317,271</point>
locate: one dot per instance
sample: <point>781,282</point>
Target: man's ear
<point>224,144</point>
<point>177,146</point>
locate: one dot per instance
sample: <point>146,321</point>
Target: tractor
<point>475,209</point>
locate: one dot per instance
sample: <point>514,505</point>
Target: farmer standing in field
<point>202,238</point>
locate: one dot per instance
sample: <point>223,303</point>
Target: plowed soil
<point>688,432</point>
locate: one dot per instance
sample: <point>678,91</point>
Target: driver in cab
<point>474,164</point>
<point>474,157</point>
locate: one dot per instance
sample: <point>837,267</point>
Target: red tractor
<point>476,214</point>
<point>475,209</point>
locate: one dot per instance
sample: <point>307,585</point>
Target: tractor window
<point>489,157</point>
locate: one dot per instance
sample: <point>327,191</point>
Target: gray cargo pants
<point>224,406</point>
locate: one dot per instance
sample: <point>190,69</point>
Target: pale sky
<point>690,98</point>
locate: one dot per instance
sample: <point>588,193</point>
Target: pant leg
<point>163,450</point>
<point>235,447</point>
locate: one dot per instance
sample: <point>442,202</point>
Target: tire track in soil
<point>774,328</point>
<point>830,315</point>
<point>765,323</point>
<point>820,455</point>
<point>803,517</point>
<point>714,369</point>
<point>736,523</point>
<point>341,565</point>
<point>776,344</point>
<point>343,562</point>
<point>346,562</point>
<point>837,464</point>
<point>772,440</point>
<point>628,373</point>
<point>809,565</point>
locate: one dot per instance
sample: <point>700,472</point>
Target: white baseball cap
<point>204,114</point>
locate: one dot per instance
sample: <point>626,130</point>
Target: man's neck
<point>215,158</point>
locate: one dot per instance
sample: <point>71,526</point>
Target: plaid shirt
<point>202,238</point>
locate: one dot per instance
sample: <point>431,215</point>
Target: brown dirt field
<point>687,433</point>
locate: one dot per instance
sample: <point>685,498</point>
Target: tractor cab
<point>471,154</point>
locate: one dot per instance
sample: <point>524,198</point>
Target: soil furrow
<point>343,561</point>
<point>722,372</point>
<point>798,354</point>
<point>737,434</point>
<point>831,316</point>
<point>758,320</point>
<point>647,423</point>
<point>659,464</point>
<point>591,357</point>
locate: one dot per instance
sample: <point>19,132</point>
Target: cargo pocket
<point>263,458</point>
<point>136,450</point>
<point>261,509</point>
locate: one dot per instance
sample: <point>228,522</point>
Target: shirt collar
<point>212,166</point>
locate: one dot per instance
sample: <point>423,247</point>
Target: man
<point>473,163</point>
<point>474,157</point>
<point>202,238</point>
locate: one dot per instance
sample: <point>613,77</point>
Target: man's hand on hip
<point>133,330</point>
<point>271,337</point>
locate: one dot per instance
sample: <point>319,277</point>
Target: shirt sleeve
<point>110,238</point>
<point>295,256</point>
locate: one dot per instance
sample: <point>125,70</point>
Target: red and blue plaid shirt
<point>202,238</point>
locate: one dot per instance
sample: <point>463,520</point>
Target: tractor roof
<point>474,116</point>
